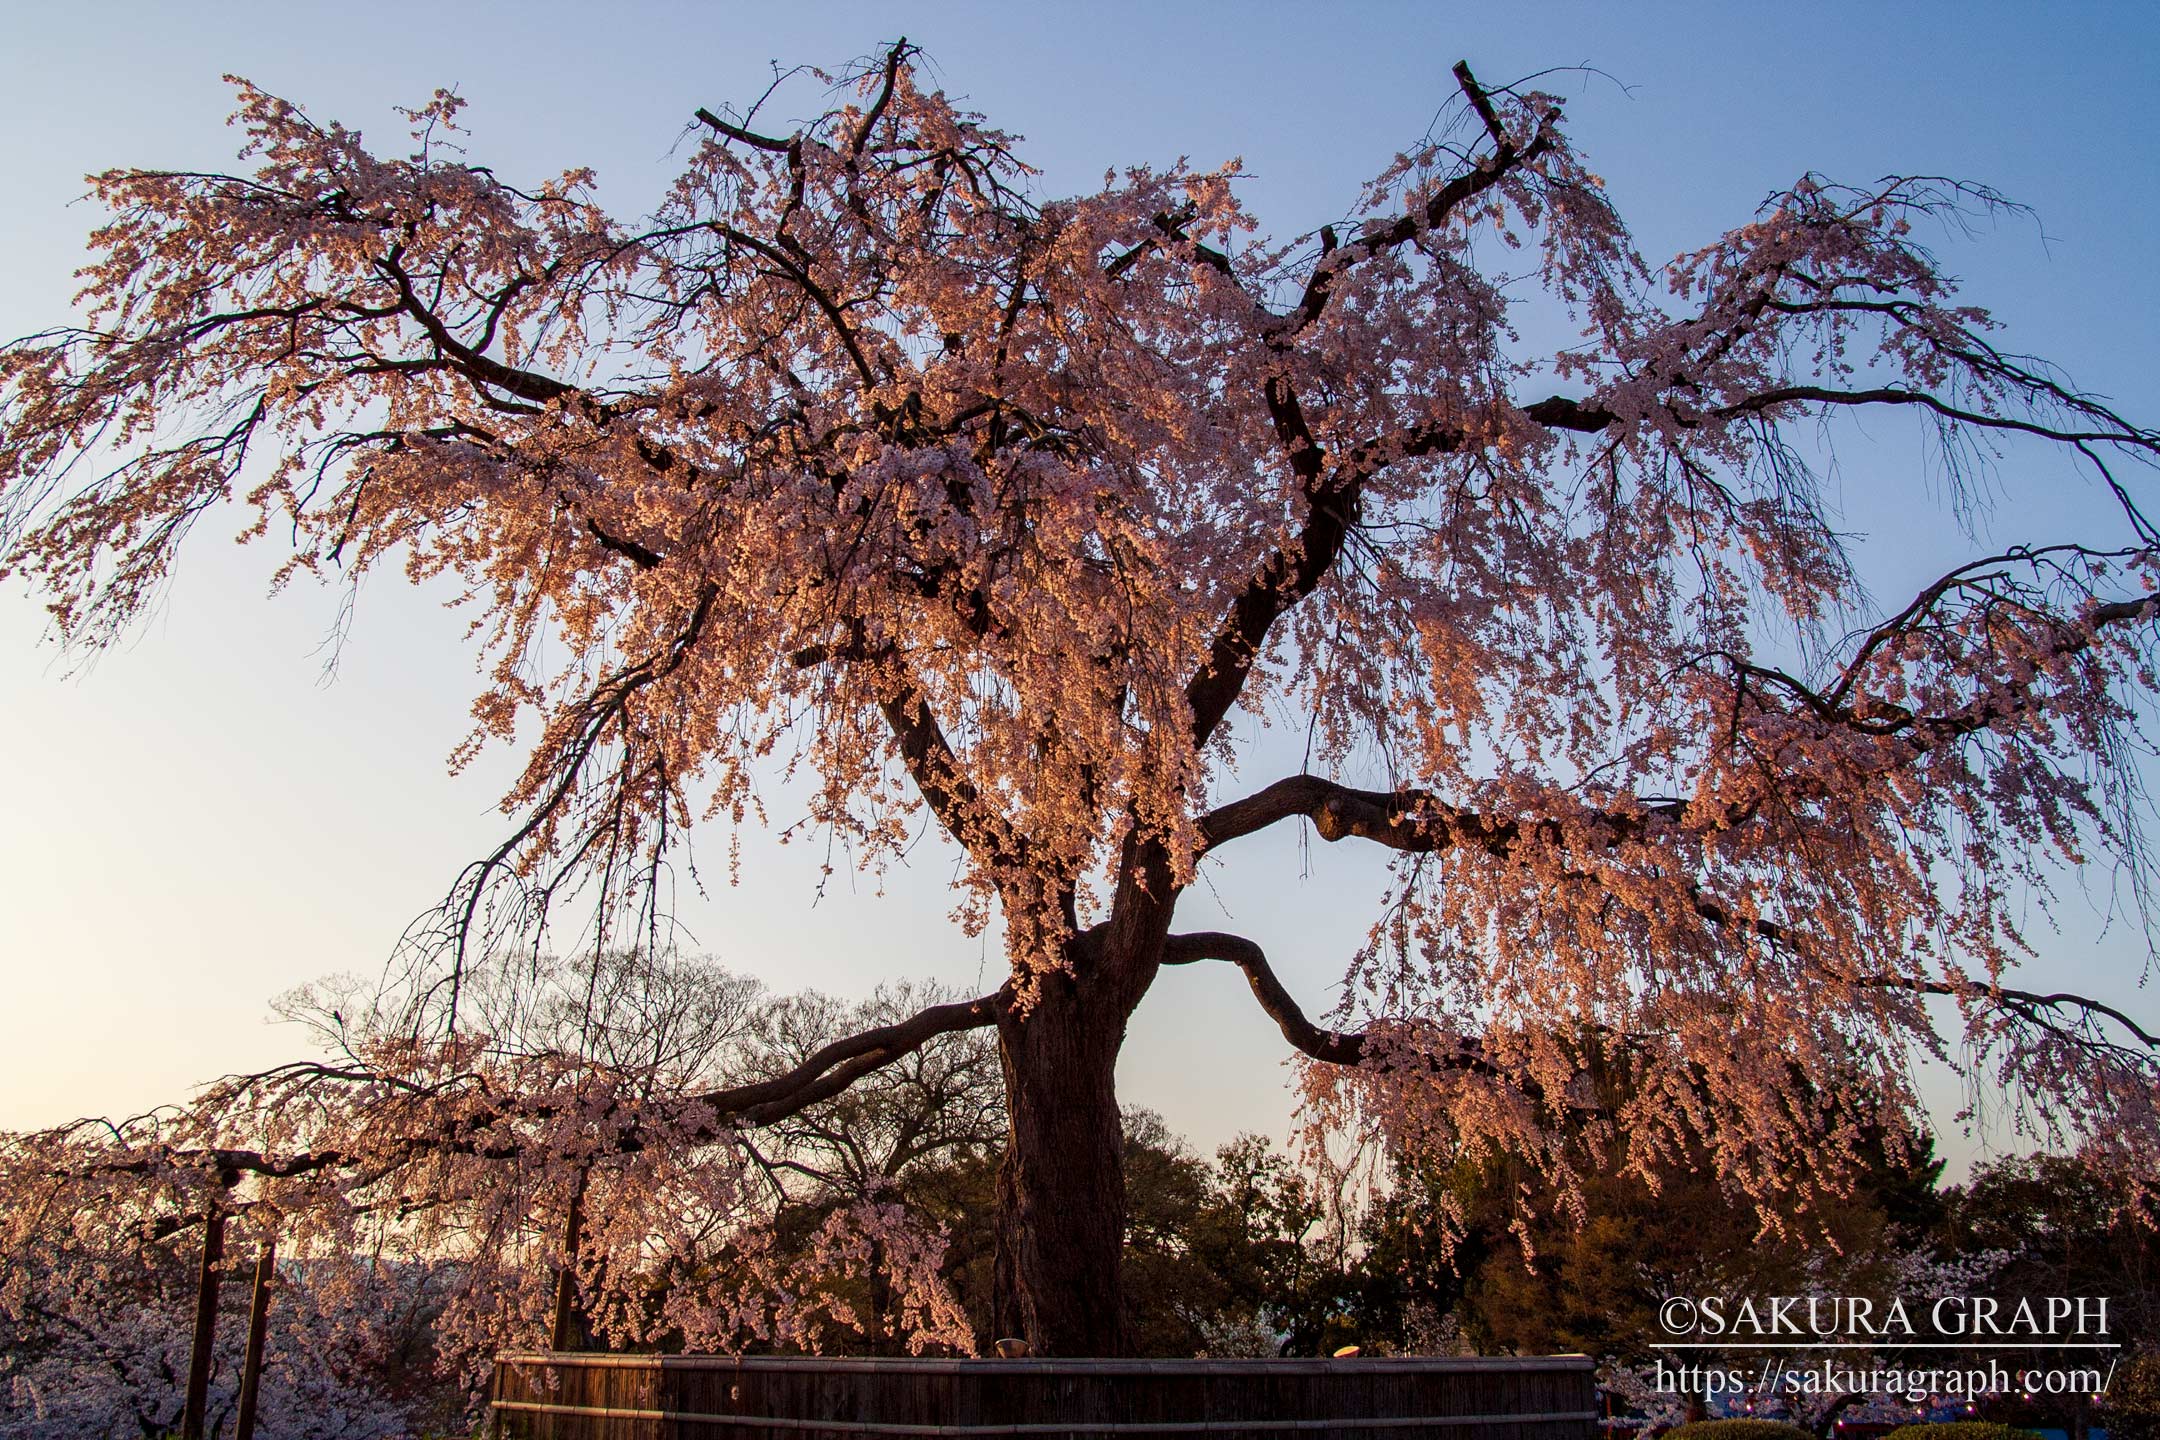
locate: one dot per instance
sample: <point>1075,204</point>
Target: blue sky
<point>197,822</point>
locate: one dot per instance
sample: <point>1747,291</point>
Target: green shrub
<point>2132,1403</point>
<point>1737,1430</point>
<point>1961,1430</point>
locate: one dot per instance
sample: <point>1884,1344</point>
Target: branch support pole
<point>206,1303</point>
<point>258,1324</point>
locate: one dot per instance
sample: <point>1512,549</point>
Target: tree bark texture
<point>1061,1187</point>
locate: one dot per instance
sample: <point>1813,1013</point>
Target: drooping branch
<point>828,1071</point>
<point>930,762</point>
<point>2032,1006</point>
<point>1416,821</point>
<point>2073,1025</point>
<point>1335,1047</point>
<point>1561,413</point>
<point>483,370</point>
<point>476,1132</point>
<point>1827,261</point>
<point>579,734</point>
<point>1288,575</point>
<point>1885,395</point>
<point>924,751</point>
<point>1331,489</point>
<point>1332,1046</point>
<point>1377,240</point>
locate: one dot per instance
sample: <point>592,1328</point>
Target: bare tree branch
<point>1335,1047</point>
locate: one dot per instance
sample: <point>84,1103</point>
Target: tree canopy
<point>859,460</point>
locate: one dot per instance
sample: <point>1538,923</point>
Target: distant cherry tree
<point>429,1199</point>
<point>862,461</point>
<point>96,1325</point>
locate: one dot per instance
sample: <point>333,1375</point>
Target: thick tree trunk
<point>1061,1189</point>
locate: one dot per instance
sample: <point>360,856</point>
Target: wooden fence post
<point>258,1321</point>
<point>566,1317</point>
<point>206,1298</point>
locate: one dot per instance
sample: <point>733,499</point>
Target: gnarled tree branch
<point>1335,1047</point>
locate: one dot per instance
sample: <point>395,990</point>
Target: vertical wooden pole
<point>258,1322</point>
<point>566,1316</point>
<point>206,1297</point>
